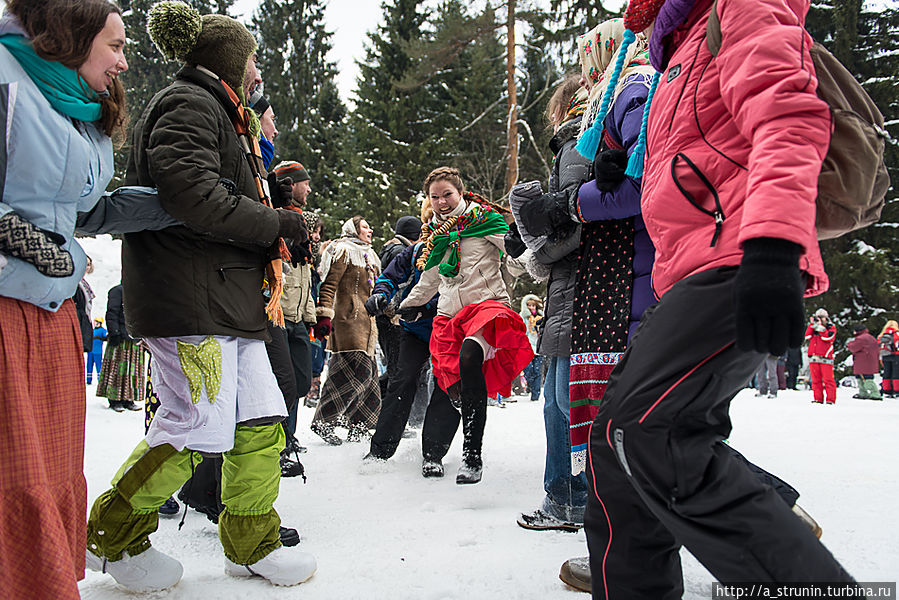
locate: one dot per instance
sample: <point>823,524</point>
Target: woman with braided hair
<point>479,344</point>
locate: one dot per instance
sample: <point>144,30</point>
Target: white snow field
<point>383,532</point>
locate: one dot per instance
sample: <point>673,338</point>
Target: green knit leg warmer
<point>868,389</point>
<point>123,517</point>
<point>251,473</point>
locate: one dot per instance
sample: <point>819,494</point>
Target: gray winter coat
<point>570,170</point>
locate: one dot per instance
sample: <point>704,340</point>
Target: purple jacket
<point>623,124</point>
<point>865,354</point>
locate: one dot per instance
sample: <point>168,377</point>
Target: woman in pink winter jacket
<point>734,144</point>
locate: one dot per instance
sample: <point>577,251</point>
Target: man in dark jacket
<point>865,362</point>
<point>406,231</point>
<point>192,292</point>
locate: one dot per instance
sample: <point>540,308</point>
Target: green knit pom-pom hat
<point>174,27</point>
<point>217,42</point>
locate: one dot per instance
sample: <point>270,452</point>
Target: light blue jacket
<point>51,168</point>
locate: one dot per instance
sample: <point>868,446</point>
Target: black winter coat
<point>84,321</point>
<point>115,316</point>
<point>570,170</point>
<point>203,277</point>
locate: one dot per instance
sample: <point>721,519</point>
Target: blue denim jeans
<point>566,495</point>
<point>532,374</point>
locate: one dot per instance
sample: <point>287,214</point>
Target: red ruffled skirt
<point>500,327</point>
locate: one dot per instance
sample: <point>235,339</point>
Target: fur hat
<point>217,42</point>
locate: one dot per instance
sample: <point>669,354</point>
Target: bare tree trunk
<point>512,122</point>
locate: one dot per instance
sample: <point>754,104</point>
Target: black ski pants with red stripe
<point>661,474</point>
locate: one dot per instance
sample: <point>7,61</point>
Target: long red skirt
<point>500,327</point>
<point>43,495</point>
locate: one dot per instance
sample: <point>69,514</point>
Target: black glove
<point>376,304</point>
<point>768,293</point>
<point>280,189</point>
<point>301,254</point>
<point>34,245</point>
<point>546,214</point>
<point>608,169</point>
<point>292,227</point>
<point>514,245</point>
<point>114,339</point>
<point>410,314</point>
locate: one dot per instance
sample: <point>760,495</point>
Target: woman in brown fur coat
<point>351,397</point>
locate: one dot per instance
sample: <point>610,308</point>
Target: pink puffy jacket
<point>735,142</point>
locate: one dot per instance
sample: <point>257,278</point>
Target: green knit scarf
<point>479,222</point>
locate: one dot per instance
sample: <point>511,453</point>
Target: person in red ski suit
<point>820,334</point>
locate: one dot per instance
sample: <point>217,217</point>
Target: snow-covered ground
<point>384,532</point>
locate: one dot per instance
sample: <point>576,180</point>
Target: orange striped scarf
<point>278,252</point>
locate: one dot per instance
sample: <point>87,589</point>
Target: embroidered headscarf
<point>633,45</point>
<point>597,50</point>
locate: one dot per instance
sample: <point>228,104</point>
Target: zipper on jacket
<point>233,267</point>
<point>718,213</point>
<point>684,87</point>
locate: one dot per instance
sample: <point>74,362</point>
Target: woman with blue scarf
<point>60,103</point>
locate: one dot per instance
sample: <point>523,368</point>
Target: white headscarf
<point>350,248</point>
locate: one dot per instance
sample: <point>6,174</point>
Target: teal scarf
<point>63,87</point>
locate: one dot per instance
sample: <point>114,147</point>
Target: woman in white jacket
<point>479,344</point>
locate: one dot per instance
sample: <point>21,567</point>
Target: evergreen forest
<point>434,88</point>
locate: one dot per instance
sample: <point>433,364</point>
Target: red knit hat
<point>641,13</point>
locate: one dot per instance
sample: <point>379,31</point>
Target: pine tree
<point>576,17</point>
<point>863,264</point>
<point>393,124</point>
<point>298,81</point>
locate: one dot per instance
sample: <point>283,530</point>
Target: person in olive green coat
<point>193,295</point>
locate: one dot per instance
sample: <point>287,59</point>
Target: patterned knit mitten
<point>41,248</point>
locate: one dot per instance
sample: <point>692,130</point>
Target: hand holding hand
<point>545,214</point>
<point>514,245</point>
<point>410,314</point>
<point>322,328</point>
<point>608,169</point>
<point>376,304</point>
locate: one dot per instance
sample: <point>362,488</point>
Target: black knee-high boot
<point>474,410</point>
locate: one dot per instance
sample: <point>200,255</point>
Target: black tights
<point>474,401</point>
